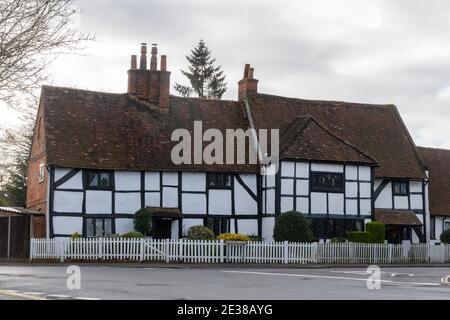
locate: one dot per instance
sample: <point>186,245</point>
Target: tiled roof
<point>376,130</point>
<point>397,217</point>
<point>438,163</point>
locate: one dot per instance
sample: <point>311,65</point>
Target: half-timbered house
<point>99,157</point>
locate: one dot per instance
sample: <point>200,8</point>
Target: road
<point>126,282</point>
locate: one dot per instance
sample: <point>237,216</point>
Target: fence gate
<point>14,237</point>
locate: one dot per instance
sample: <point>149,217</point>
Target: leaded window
<point>400,188</point>
<point>218,225</point>
<point>219,180</point>
<point>96,179</point>
<point>326,182</point>
<point>98,227</point>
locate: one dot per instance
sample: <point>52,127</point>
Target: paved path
<point>128,282</point>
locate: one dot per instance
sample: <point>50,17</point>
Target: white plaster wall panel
<point>193,203</point>
<point>302,205</point>
<point>351,172</point>
<point>327,167</point>
<point>98,201</point>
<point>302,188</point>
<point>243,202</point>
<point>415,186</point>
<point>232,225</point>
<point>270,194</point>
<point>287,168</point>
<point>302,169</point>
<point>318,202</point>
<point>248,226</point>
<point>170,178</point>
<point>152,181</point>
<point>287,204</point>
<point>365,207</point>
<point>400,202</point>
<point>377,183</point>
<point>129,202</point>
<point>187,223</point>
<point>65,201</point>
<point>76,182</point>
<point>351,207</point>
<point>351,189</point>
<point>124,225</point>
<point>287,186</point>
<point>152,199</point>
<point>249,180</point>
<point>67,225</point>
<point>270,181</point>
<point>219,202</point>
<point>364,173</point>
<point>364,190</point>
<point>174,229</point>
<point>384,200</point>
<point>170,197</point>
<point>267,228</point>
<point>193,181</point>
<point>61,172</point>
<point>416,201</point>
<point>336,203</point>
<point>127,180</point>
<point>414,237</point>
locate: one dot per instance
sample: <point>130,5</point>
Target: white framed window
<point>41,172</point>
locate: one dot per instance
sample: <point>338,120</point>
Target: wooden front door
<point>162,228</point>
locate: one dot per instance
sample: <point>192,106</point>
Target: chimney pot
<point>154,59</point>
<point>133,61</point>
<point>246,68</point>
<point>247,85</point>
<point>143,62</point>
<point>163,63</point>
<point>250,73</point>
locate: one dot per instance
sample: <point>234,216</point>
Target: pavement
<point>211,282</point>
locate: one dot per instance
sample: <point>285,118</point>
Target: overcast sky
<point>375,51</point>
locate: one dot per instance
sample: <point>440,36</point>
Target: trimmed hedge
<point>132,235</point>
<point>233,237</point>
<point>358,236</point>
<point>142,221</point>
<point>445,236</point>
<point>200,233</point>
<point>377,231</point>
<point>292,226</point>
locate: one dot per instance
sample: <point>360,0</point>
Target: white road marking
<point>446,280</point>
<point>329,277</point>
<point>34,293</point>
<point>86,298</point>
<point>61,296</point>
<point>363,273</point>
<point>15,293</point>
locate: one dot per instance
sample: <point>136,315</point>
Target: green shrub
<point>143,221</point>
<point>445,236</point>
<point>132,234</point>
<point>292,226</point>
<point>339,240</point>
<point>200,233</point>
<point>358,236</point>
<point>233,237</point>
<point>254,237</point>
<point>75,235</point>
<point>376,230</point>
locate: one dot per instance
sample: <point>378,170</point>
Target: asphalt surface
<point>129,282</point>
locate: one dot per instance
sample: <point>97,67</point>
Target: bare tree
<point>32,34</point>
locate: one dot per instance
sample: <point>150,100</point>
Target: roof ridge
<point>433,148</point>
<point>81,90</point>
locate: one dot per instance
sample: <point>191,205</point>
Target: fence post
<point>100,249</point>
<point>390,247</point>
<point>315,255</point>
<point>286,252</point>
<point>222,251</point>
<point>31,248</point>
<point>61,249</point>
<point>167,251</point>
<point>142,250</point>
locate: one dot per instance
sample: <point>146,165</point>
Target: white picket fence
<point>196,251</point>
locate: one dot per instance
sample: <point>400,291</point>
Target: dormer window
<point>400,188</point>
<point>96,179</point>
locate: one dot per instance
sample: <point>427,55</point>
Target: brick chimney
<point>151,85</point>
<point>247,85</point>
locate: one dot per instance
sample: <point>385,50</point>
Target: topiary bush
<point>292,226</point>
<point>376,230</point>
<point>445,236</point>
<point>200,233</point>
<point>358,236</point>
<point>132,235</point>
<point>142,221</point>
<point>233,237</point>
